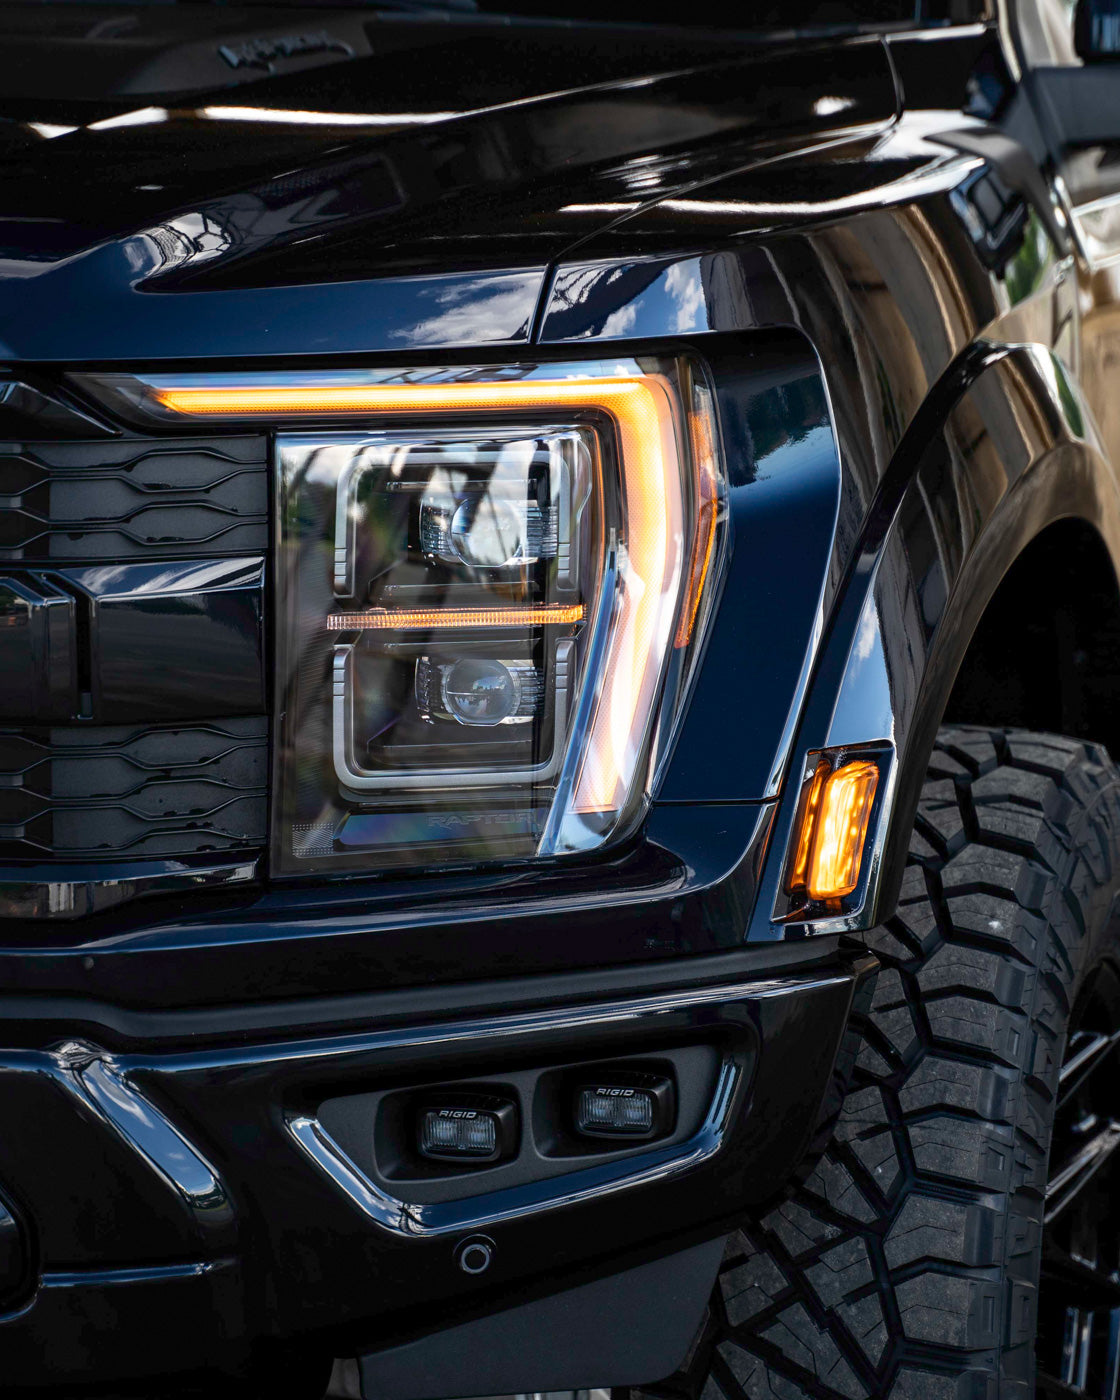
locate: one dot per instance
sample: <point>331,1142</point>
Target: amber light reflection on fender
<point>650,571</point>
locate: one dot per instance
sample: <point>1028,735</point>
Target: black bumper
<point>180,1209</point>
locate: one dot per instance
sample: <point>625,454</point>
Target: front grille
<point>100,792</point>
<point>179,793</point>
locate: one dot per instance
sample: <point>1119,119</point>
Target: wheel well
<point>1047,651</point>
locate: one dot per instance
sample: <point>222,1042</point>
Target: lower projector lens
<point>615,1110</point>
<point>479,692</point>
<point>458,1132</point>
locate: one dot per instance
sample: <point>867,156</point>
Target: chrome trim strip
<point>102,1084</point>
<point>102,1087</point>
<point>156,1273</point>
<point>405,1218</point>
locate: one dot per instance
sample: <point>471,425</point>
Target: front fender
<point>1013,451</point>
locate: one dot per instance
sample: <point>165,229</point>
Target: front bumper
<point>181,1209</point>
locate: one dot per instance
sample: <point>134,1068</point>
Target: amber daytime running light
<point>832,830</point>
<point>492,585</point>
<point>386,620</point>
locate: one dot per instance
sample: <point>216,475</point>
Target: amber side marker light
<point>833,829</point>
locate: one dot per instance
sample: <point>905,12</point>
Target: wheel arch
<point>1064,500</point>
<point>1045,653</point>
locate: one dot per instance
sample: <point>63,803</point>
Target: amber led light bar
<point>403,619</point>
<point>628,400</point>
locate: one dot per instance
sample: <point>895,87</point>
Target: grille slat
<point>121,791</point>
<point>132,499</point>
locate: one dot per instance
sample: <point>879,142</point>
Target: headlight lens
<point>491,587</point>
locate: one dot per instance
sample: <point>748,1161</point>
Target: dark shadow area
<point>1047,652</point>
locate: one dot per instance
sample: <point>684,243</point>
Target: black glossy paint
<point>912,335</point>
<point>106,642</point>
<point>143,619</point>
<point>125,229</point>
<point>37,651</point>
<point>687,888</point>
<point>784,484</point>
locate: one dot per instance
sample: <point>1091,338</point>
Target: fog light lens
<point>458,1132</point>
<point>467,1128</point>
<point>630,1104</point>
<point>615,1110</point>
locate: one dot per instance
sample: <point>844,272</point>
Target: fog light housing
<point>625,1104</point>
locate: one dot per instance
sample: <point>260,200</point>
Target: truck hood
<point>196,181</point>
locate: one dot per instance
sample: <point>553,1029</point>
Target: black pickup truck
<point>559,647</point>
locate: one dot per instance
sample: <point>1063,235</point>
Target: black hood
<point>221,149</point>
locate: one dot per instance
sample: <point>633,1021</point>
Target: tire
<point>906,1265</point>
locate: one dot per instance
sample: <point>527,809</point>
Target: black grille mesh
<point>123,792</point>
<point>133,499</point>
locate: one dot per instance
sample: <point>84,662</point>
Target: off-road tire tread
<point>905,1266</point>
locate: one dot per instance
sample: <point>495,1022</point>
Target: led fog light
<point>626,1104</point>
<point>467,1128</point>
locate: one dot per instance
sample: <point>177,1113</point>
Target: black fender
<point>1003,448</point>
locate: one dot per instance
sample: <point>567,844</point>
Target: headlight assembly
<point>490,588</point>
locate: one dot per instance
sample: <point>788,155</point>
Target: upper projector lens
<point>488,533</point>
<point>480,692</point>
